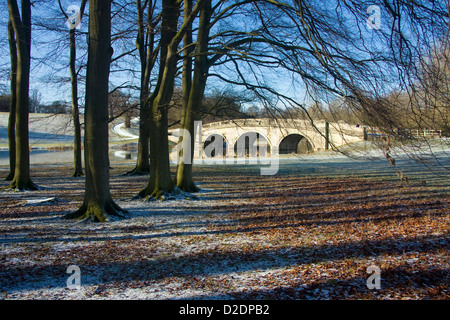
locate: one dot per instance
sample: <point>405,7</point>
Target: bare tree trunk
<point>12,111</point>
<point>98,203</point>
<point>160,182</point>
<point>192,98</point>
<point>78,167</point>
<point>22,29</point>
<point>142,162</point>
<point>146,56</point>
<point>181,182</point>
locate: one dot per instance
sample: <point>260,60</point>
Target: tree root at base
<point>97,213</point>
<point>137,172</point>
<point>162,195</point>
<point>191,188</point>
<point>23,186</point>
<point>10,176</point>
<point>77,174</point>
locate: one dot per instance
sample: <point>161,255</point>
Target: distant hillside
<point>43,127</point>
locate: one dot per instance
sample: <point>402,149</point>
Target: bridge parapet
<point>280,123</point>
<point>237,123</point>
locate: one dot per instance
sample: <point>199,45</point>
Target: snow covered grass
<point>309,232</point>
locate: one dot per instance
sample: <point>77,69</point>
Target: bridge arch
<point>252,144</point>
<point>295,143</point>
<point>214,145</point>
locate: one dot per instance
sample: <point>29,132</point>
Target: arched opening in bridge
<point>215,145</point>
<point>252,144</point>
<point>295,143</point>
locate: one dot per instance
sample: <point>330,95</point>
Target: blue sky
<point>52,85</point>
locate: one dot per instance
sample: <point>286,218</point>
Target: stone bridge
<point>264,137</point>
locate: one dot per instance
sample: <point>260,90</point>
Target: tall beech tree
<point>77,152</point>
<point>98,203</point>
<point>160,181</point>
<point>145,43</point>
<point>21,23</point>
<point>193,89</point>
<point>12,111</point>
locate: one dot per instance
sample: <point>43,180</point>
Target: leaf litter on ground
<point>243,236</point>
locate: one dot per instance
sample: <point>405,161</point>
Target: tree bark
<point>183,182</point>
<point>146,57</point>
<point>193,97</point>
<point>12,111</point>
<point>78,167</point>
<point>22,30</point>
<point>160,181</point>
<point>98,204</point>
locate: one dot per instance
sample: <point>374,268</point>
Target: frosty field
<point>309,232</point>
